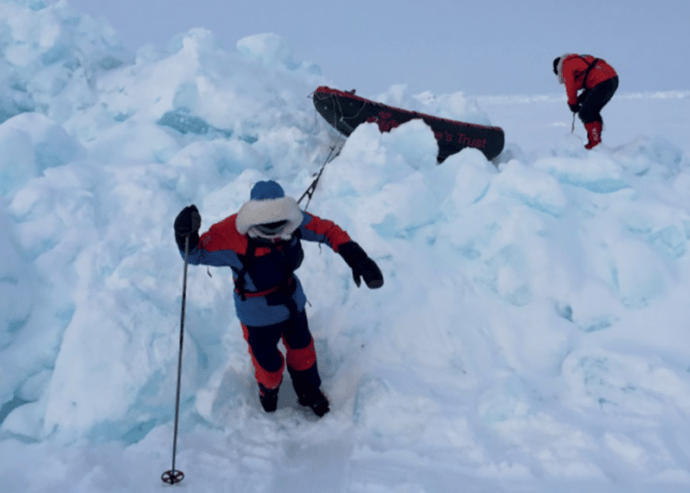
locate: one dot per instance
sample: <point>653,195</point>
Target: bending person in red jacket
<point>262,245</point>
<point>599,82</point>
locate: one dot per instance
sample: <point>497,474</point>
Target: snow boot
<point>316,401</point>
<point>268,398</point>
<point>593,134</point>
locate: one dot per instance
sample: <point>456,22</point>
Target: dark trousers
<point>269,362</point>
<point>593,100</point>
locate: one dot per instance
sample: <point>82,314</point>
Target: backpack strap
<point>589,69</point>
<point>250,256</point>
<point>241,283</point>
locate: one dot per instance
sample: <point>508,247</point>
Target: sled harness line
<point>309,192</point>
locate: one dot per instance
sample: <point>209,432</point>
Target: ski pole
<point>572,127</point>
<point>173,475</point>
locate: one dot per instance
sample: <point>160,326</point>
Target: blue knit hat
<point>269,189</point>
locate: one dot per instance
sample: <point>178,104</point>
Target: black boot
<point>268,398</point>
<point>316,401</point>
<point>306,384</point>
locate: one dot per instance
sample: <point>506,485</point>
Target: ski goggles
<point>272,229</point>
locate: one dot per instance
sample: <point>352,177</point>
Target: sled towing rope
<point>335,150</point>
<point>174,476</point>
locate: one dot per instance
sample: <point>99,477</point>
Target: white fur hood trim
<point>267,211</point>
<point>560,67</point>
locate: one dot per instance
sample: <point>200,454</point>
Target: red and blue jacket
<point>266,288</point>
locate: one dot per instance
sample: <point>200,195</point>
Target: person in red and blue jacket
<point>598,82</point>
<point>261,244</point>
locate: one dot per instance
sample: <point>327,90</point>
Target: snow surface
<point>531,335</point>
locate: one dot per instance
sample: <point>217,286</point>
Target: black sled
<point>345,111</point>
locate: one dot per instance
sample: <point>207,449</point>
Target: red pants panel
<point>268,361</point>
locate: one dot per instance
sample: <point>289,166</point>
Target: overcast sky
<point>479,47</point>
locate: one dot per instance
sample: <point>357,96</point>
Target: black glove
<point>361,265</point>
<point>574,107</point>
<point>187,223</point>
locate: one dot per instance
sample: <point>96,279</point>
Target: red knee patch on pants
<point>269,379</point>
<point>301,359</point>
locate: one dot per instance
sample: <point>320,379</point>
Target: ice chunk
<point>617,381</point>
<point>531,187</point>
<point>637,273</point>
<point>52,58</point>
<point>18,163</point>
<point>52,145</point>
<point>597,173</point>
<point>591,308</point>
<point>653,156</point>
<point>185,123</point>
<point>147,143</point>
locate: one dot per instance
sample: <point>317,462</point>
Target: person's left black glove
<point>575,108</point>
<point>362,266</point>
<point>187,223</point>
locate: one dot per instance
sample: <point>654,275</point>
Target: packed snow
<point>531,335</point>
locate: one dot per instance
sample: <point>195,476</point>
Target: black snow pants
<point>594,99</point>
<point>269,362</point>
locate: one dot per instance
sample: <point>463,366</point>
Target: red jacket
<point>572,72</point>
